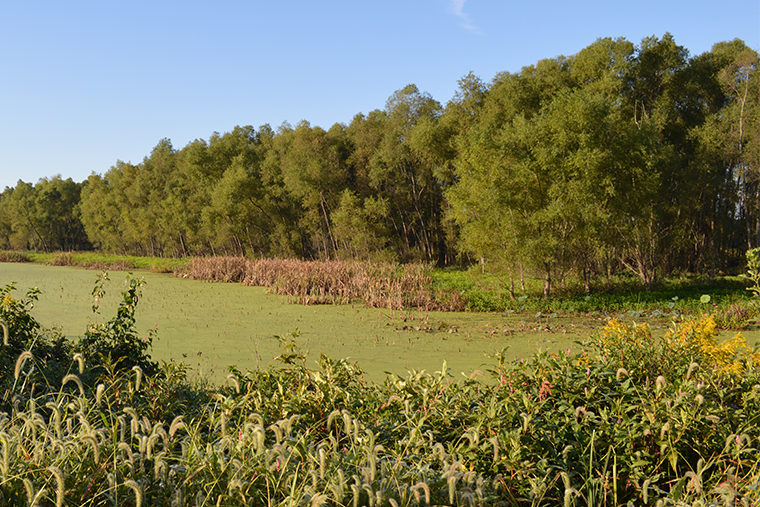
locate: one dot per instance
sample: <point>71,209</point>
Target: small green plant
<point>753,272</point>
<point>118,338</point>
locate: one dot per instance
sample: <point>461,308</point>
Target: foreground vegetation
<point>631,417</point>
<point>621,158</point>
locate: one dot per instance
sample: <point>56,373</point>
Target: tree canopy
<point>620,157</point>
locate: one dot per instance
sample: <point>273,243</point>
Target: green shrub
<point>21,332</point>
<point>117,341</point>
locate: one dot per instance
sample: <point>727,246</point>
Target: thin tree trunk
<point>547,281</point>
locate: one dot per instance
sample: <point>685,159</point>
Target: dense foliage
<point>621,157</point>
<point>630,418</point>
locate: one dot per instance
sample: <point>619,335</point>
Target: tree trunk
<point>587,280</point>
<point>548,282</point>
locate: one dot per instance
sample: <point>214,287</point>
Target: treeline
<point>620,157</point>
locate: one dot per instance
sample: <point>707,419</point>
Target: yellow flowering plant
<point>633,347</point>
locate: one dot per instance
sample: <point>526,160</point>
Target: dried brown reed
<point>13,256</point>
<point>215,269</point>
<point>379,285</point>
<point>318,282</point>
<point>62,259</point>
<point>110,266</point>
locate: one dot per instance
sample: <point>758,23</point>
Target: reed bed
<point>215,269</point>
<point>13,256</point>
<point>379,285</point>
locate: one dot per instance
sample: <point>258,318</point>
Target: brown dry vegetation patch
<point>13,256</point>
<point>378,285</point>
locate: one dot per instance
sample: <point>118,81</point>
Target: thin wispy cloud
<point>457,8</point>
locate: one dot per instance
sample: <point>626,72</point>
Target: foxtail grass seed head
<point>80,362</point>
<point>99,393</point>
<point>570,493</point>
<point>60,487</point>
<point>93,441</point>
<point>695,482</point>
<point>422,486</point>
<point>372,462</point>
<point>151,442</point>
<point>322,463</point>
<point>20,363</point>
<point>126,449</point>
<point>176,425</point>
<point>73,378</point>
<point>664,430</point>
<point>232,379</point>
<point>6,453</point>
<point>29,487</point>
<point>452,483</point>
<point>131,484</point>
<point>138,376</point>
<point>347,422</point>
<point>6,332</point>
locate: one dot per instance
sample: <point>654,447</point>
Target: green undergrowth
<point>672,297</point>
<point>96,260</point>
<point>629,418</point>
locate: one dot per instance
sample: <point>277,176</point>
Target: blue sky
<point>83,84</point>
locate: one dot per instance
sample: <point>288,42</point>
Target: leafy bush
<point>753,272</point>
<point>21,332</point>
<point>117,341</point>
